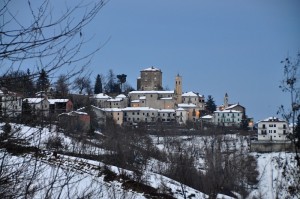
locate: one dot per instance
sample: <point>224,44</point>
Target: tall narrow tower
<point>178,89</point>
<point>226,101</point>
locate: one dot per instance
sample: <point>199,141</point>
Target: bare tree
<point>49,38</point>
<point>290,84</point>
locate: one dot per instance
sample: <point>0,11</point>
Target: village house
<point>194,98</point>
<point>38,105</point>
<point>272,129</point>
<point>181,116</point>
<point>228,118</point>
<point>100,99</point>
<point>153,99</point>
<point>58,106</point>
<point>133,115</point>
<point>10,103</point>
<point>75,121</point>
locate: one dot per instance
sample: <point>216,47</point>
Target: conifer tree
<point>43,82</point>
<point>98,85</point>
<point>210,104</point>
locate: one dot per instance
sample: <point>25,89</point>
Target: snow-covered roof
<point>112,109</point>
<point>75,113</point>
<point>33,100</point>
<point>115,100</point>
<point>207,117</point>
<point>102,96</point>
<point>53,101</point>
<point>166,111</point>
<point>190,105</point>
<point>151,92</point>
<point>135,101</point>
<point>232,106</point>
<point>191,94</point>
<point>139,109</point>
<point>180,109</point>
<point>151,69</point>
<point>228,111</point>
<point>272,119</point>
<point>142,97</point>
<point>121,96</point>
<point>166,98</point>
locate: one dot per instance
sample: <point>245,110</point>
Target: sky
<point>218,47</point>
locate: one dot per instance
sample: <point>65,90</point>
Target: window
<point>118,113</point>
<point>270,131</point>
<point>150,95</point>
<point>138,113</point>
<point>133,113</point>
<point>274,131</point>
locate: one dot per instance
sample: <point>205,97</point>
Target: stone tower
<point>178,89</point>
<point>150,79</point>
<point>226,101</point>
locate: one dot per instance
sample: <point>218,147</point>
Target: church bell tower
<point>178,89</point>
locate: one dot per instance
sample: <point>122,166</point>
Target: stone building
<point>150,79</point>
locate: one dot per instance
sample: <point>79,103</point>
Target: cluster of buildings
<point>151,104</point>
<point>148,104</point>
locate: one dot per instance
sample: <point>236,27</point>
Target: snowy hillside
<point>77,173</point>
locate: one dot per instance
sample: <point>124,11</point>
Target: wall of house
<point>272,131</point>
<point>227,118</point>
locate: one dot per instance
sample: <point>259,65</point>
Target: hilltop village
<point>149,104</point>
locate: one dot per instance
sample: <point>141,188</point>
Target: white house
<point>139,114</point>
<point>38,105</point>
<point>100,99</point>
<point>228,118</point>
<point>272,129</point>
<point>181,116</point>
<point>167,115</point>
<point>193,111</point>
<point>195,98</point>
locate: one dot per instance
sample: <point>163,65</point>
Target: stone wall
<point>263,146</point>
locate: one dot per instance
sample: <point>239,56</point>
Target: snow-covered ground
<point>85,175</point>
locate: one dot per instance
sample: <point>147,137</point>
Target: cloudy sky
<point>232,46</point>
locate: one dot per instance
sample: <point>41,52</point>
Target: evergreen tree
<point>98,85</point>
<point>43,82</point>
<point>210,104</point>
